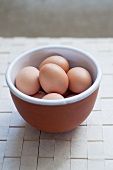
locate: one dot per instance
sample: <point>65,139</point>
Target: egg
<point>39,95</point>
<point>68,92</point>
<point>71,95</point>
<point>59,60</point>
<point>53,96</point>
<point>53,79</point>
<point>27,80</point>
<point>79,79</point>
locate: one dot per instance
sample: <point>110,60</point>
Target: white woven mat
<point>89,147</point>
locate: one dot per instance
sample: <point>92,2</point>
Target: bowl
<point>55,116</point>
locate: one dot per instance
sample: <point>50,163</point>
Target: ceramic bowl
<point>55,116</point>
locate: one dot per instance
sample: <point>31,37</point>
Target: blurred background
<point>56,18</point>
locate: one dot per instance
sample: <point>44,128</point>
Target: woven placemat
<point>89,147</point>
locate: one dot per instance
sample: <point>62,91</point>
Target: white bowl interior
<point>75,58</point>
<point>36,57</point>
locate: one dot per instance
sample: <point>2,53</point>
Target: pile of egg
<point>53,79</point>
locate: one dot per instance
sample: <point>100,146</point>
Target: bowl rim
<point>64,101</point>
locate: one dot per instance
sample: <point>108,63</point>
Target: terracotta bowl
<point>58,115</point>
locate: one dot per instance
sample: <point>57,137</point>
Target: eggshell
<point>53,79</point>
<point>79,79</point>
<point>59,60</point>
<point>68,92</point>
<point>27,80</point>
<point>39,95</point>
<point>53,96</point>
<point>71,95</point>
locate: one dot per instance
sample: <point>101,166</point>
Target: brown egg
<point>79,79</point>
<point>39,95</point>
<point>68,92</point>
<point>27,80</point>
<point>59,60</point>
<point>53,96</point>
<point>71,95</point>
<point>53,79</point>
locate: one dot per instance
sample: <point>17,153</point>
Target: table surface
<point>88,147</point>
